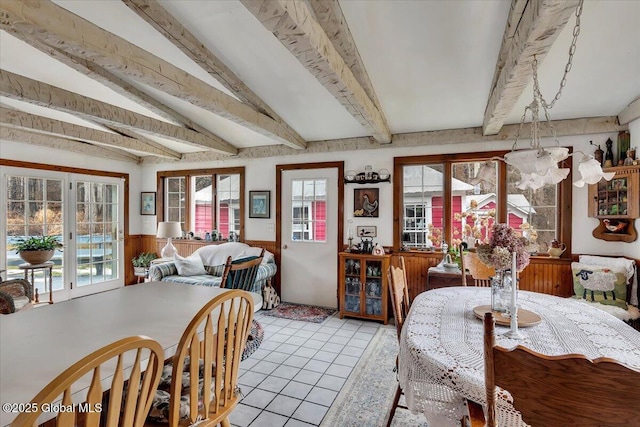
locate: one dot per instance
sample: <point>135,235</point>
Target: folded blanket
<point>621,263</point>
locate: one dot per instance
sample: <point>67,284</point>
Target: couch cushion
<point>160,271</point>
<point>605,285</point>
<point>202,280</point>
<point>190,266</point>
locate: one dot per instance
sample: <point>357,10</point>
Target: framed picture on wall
<point>259,204</point>
<point>148,203</point>
<point>365,202</point>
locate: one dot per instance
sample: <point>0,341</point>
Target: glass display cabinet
<point>363,285</point>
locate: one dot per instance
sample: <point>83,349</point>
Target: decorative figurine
<point>598,154</point>
<point>608,158</point>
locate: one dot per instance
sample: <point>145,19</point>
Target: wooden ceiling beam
<point>59,143</point>
<point>21,120</point>
<point>24,89</point>
<point>439,138</point>
<point>630,113</point>
<point>55,26</point>
<point>532,27</point>
<point>294,25</point>
<point>167,25</point>
<point>331,19</point>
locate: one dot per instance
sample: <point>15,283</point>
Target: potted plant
<point>142,262</point>
<point>37,249</point>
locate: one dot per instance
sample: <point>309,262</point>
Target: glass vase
<point>501,291</point>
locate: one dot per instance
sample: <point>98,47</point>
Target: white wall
<point>260,175</point>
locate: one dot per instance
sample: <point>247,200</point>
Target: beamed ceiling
<point>186,80</point>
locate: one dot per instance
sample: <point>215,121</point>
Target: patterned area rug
<point>256,334</point>
<point>366,397</point>
<point>305,313</point>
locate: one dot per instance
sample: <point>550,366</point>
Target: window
<point>309,210</point>
<point>441,199</point>
<point>203,200</point>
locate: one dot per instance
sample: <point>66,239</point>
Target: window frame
<point>188,175</point>
<point>563,194</point>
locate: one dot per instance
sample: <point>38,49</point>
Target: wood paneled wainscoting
<point>546,275</point>
<point>184,247</point>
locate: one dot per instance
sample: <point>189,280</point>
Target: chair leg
<point>225,422</point>
<point>396,399</point>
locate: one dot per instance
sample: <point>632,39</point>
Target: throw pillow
<point>190,266</point>
<point>601,284</point>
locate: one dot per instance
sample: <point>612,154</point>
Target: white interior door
<point>309,234</point>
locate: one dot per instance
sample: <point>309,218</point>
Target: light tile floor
<point>299,369</point>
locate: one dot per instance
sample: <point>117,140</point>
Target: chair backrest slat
<point>139,393</point>
<point>399,292</point>
<point>241,274</point>
<point>561,390</point>
<point>214,353</point>
<point>481,272</point>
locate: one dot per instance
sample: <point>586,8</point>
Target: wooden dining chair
<point>561,390</point>
<point>481,272</point>
<point>399,292</point>
<point>241,273</point>
<point>129,398</point>
<point>199,386</point>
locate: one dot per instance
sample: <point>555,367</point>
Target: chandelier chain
<point>568,66</point>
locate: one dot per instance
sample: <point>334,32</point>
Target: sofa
<point>212,258</point>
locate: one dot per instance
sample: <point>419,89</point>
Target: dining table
<point>37,345</point>
<point>441,356</point>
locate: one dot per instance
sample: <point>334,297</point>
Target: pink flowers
<point>504,241</point>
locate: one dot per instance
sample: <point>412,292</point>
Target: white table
<point>37,345</point>
<point>441,358</point>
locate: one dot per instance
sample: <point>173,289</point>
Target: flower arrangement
<point>504,241</point>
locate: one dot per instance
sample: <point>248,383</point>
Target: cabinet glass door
<point>373,288</point>
<point>352,285</point>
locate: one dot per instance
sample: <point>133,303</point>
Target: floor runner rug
<point>366,397</point>
<point>305,313</point>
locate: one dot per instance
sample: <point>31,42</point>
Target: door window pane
<point>227,204</point>
<point>309,210</point>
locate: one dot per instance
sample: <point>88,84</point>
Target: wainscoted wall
<point>545,275</point>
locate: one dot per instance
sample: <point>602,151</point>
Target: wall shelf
<point>367,177</point>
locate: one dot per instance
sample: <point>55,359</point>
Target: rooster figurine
<point>369,207</point>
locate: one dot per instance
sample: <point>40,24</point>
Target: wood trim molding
<point>630,113</point>
<point>278,205</point>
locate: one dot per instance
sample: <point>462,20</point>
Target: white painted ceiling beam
<point>24,89</point>
<point>331,19</point>
<point>55,26</point>
<point>532,27</point>
<point>60,143</point>
<point>294,25</point>
<point>630,113</point>
<point>165,23</point>
<point>21,120</point>
<point>585,126</point>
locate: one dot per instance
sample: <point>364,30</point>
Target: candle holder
<point>513,332</point>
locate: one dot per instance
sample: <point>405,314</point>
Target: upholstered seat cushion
<point>202,280</point>
<point>160,406</point>
<point>21,302</point>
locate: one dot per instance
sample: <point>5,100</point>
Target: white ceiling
<point>431,64</point>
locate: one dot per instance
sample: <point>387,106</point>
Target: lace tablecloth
<point>441,359</point>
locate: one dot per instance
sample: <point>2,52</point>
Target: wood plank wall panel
<point>545,275</point>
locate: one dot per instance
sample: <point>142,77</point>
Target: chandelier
<point>538,165</point>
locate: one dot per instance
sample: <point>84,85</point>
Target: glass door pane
<point>98,245</point>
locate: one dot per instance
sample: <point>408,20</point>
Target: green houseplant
<point>142,262</point>
<point>37,249</point>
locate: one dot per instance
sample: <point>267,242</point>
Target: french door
<point>85,213</point>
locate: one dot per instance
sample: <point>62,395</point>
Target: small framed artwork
<point>367,231</point>
<point>260,204</point>
<point>365,202</point>
<point>148,203</point>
